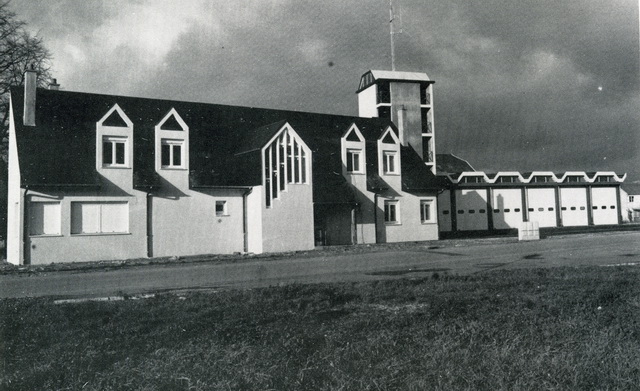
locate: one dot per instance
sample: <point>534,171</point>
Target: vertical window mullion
<point>299,177</point>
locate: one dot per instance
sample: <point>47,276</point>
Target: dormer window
<point>114,151</point>
<point>388,153</point>
<point>114,142</point>
<point>172,142</point>
<point>353,153</point>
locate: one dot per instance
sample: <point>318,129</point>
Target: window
<point>221,208</point>
<point>630,198</point>
<point>354,160</point>
<point>426,211</point>
<point>389,165</point>
<point>384,93</point>
<point>171,153</point>
<point>286,162</point>
<point>391,215</point>
<point>44,218</point>
<point>114,151</point>
<point>99,217</point>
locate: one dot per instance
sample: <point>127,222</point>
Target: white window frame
<point>351,153</point>
<point>224,211</point>
<point>172,143</point>
<point>392,209</point>
<point>113,140</point>
<point>100,218</point>
<point>427,205</point>
<point>387,158</point>
<point>54,210</point>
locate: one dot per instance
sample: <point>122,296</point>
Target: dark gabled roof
<point>631,188</point>
<point>224,145</point>
<point>448,163</point>
<point>416,176</point>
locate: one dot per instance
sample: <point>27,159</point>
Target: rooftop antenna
<point>392,32</point>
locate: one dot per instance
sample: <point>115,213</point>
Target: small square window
<point>391,214</point>
<point>354,160</point>
<point>221,208</point>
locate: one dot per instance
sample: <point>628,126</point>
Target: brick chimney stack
<point>30,82</point>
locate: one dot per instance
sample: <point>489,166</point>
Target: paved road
<point>476,257</point>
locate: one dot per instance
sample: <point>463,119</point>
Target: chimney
<point>30,81</point>
<point>54,85</point>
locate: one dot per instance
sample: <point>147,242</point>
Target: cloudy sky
<point>522,85</point>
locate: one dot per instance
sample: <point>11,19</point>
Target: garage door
<point>573,203</point>
<point>471,209</point>
<point>507,208</point>
<point>542,206</point>
<point>444,211</point>
<point>604,204</point>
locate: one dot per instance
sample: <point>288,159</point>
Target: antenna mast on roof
<point>393,50</point>
<point>392,32</point>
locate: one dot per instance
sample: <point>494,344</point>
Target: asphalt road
<point>476,257</point>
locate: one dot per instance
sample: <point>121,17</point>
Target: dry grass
<point>555,329</point>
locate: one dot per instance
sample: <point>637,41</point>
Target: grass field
<point>551,329</point>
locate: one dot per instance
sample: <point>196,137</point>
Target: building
<point>99,177</point>
<point>631,202</point>
<point>479,201</point>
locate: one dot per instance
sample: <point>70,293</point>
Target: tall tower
<point>407,99</point>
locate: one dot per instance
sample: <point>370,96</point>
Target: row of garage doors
<point>509,206</point>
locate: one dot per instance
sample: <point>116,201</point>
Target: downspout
<point>245,219</point>
<point>375,215</point>
<point>149,225</point>
<point>25,257</point>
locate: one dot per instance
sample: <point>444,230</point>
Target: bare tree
<point>19,50</point>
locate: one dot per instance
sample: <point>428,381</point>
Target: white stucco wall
<point>288,224</point>
<point>68,247</point>
<point>410,228</point>
<point>188,225</point>
<point>367,103</point>
<point>15,201</point>
<point>255,199</point>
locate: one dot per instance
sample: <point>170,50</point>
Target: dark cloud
<point>551,85</point>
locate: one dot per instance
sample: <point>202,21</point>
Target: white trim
<point>126,133</point>
<point>174,136</point>
<point>346,145</point>
<point>555,178</point>
<point>387,149</point>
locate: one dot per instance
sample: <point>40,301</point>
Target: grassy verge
<point>552,329</point>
